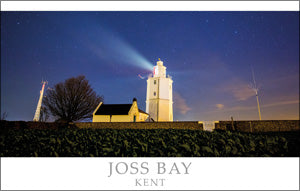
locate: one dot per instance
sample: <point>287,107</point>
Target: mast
<point>258,106</point>
<point>39,105</point>
<point>256,93</point>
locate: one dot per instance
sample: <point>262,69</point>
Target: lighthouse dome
<point>159,62</point>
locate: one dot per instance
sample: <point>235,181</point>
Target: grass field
<point>72,142</point>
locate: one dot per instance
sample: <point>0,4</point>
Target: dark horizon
<point>208,54</point>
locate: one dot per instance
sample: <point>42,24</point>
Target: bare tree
<point>72,100</point>
<point>44,116</point>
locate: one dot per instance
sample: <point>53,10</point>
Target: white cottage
<point>119,113</point>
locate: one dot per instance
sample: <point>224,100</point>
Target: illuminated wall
<point>143,116</point>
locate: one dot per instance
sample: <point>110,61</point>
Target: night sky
<point>208,54</point>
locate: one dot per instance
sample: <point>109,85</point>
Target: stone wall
<point>32,125</point>
<point>143,125</point>
<point>259,126</point>
<point>243,126</point>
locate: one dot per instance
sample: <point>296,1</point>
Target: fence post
<point>232,124</point>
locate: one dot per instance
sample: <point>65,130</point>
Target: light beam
<point>110,46</point>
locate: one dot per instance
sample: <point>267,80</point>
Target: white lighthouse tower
<point>159,102</point>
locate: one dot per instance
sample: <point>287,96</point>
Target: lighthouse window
<point>154,93</point>
<point>154,81</point>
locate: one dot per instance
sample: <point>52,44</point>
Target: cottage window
<point>154,81</point>
<point>154,94</point>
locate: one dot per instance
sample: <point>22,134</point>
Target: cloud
<point>281,103</point>
<point>180,103</point>
<point>245,108</point>
<point>239,89</point>
<point>219,106</point>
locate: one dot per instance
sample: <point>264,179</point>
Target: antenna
<point>39,105</point>
<point>255,89</point>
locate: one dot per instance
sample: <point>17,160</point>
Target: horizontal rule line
<point>150,6</point>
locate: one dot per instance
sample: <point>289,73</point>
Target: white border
<point>203,174</point>
<point>149,5</point>
<point>207,173</point>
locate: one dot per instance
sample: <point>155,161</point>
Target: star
<point>18,23</point>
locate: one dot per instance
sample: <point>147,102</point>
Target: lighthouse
<point>159,102</point>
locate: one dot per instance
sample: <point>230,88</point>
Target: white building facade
<point>159,102</point>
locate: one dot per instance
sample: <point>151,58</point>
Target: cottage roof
<point>116,109</point>
<point>113,109</point>
<point>141,111</point>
